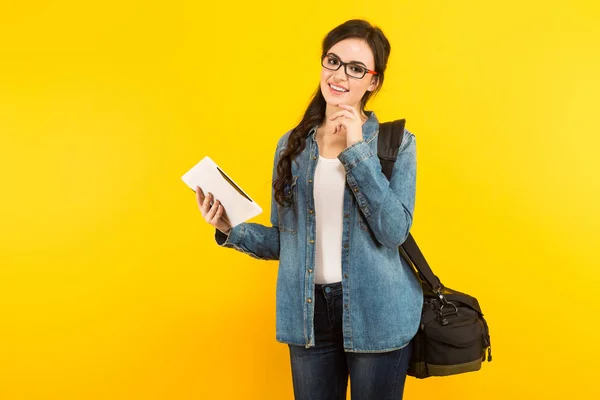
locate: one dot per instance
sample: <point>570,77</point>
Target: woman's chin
<point>336,102</point>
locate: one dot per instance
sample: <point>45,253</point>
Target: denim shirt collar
<point>369,128</point>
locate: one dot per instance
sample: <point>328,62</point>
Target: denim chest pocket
<point>288,215</point>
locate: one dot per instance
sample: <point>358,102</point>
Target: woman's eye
<point>333,61</point>
<point>356,68</point>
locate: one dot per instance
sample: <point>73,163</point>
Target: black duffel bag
<point>453,336</point>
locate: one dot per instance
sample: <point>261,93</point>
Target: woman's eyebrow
<point>353,61</point>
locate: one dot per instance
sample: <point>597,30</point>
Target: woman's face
<point>338,87</point>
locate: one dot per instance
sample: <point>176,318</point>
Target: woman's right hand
<point>215,214</point>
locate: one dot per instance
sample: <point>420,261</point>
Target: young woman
<point>347,303</point>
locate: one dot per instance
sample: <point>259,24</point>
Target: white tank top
<point>330,181</point>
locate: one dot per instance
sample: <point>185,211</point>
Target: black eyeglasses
<point>352,69</point>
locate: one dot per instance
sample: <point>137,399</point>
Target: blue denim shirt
<point>382,297</point>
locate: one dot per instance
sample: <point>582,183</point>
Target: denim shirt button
<point>346,245</point>
<point>346,215</point>
<point>311,241</point>
<point>346,276</point>
<point>310,271</point>
<point>310,181</point>
<point>310,211</point>
<point>314,157</point>
<point>309,300</point>
<point>356,189</point>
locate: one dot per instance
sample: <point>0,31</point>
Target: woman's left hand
<point>350,120</point>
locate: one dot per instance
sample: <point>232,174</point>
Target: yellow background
<point>111,286</point>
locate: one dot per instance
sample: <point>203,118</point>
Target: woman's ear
<point>373,84</point>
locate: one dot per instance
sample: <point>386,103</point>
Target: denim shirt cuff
<point>234,238</point>
<point>354,154</point>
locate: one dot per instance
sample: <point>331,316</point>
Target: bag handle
<point>388,145</point>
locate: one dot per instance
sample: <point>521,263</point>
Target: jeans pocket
<point>288,215</point>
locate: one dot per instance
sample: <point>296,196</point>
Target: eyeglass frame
<point>345,64</point>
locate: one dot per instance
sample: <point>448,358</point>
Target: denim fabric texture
<point>321,372</point>
<point>381,296</point>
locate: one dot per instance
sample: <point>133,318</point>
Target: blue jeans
<point>321,372</point>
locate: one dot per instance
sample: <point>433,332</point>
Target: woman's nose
<point>340,74</point>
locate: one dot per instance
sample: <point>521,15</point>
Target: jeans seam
<point>396,368</point>
<point>330,313</point>
<point>341,386</point>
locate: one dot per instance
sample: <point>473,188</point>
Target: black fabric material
<point>453,335</point>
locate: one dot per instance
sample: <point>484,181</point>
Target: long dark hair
<point>315,112</point>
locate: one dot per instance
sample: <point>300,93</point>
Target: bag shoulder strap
<point>388,145</point>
